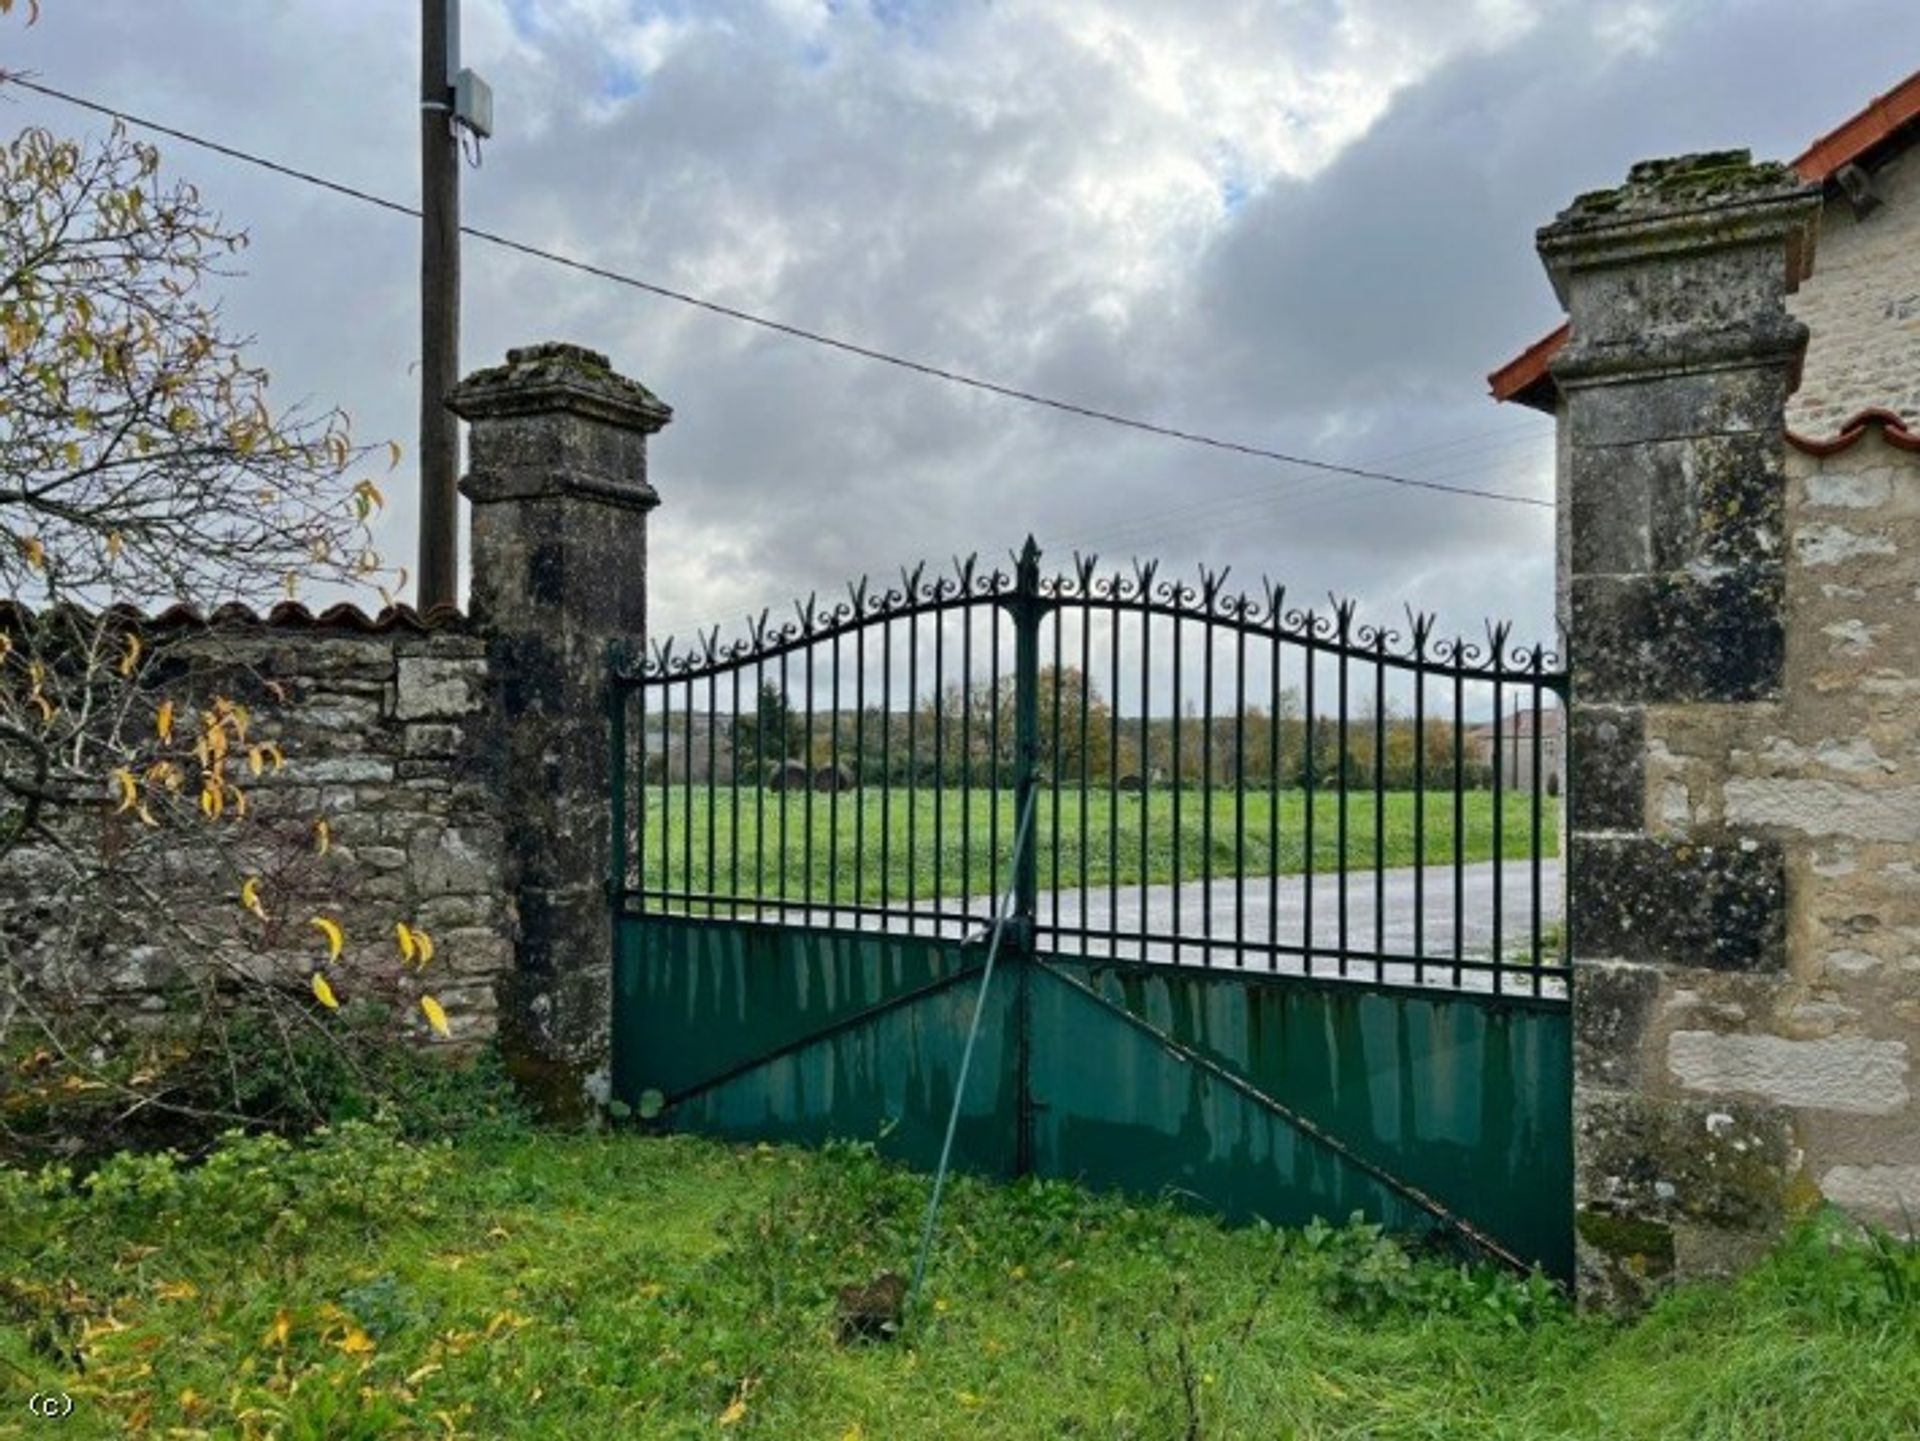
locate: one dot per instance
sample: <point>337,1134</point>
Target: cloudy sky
<point>1300,224</point>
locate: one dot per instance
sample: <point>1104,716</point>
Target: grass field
<point>924,843</point>
<point>550,1286</point>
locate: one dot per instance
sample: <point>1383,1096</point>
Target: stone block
<point>1678,637</point>
<point>1642,898</point>
<point>1721,1163</point>
<point>432,687</point>
<point>1841,1073</point>
<point>451,862</point>
<point>1613,1004</point>
<point>1606,767</point>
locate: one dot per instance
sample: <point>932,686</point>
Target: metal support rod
<point>439,459</point>
<point>1021,851</point>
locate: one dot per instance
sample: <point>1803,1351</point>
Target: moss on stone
<point>1644,1246</point>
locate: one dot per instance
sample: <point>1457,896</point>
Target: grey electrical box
<point>473,104</point>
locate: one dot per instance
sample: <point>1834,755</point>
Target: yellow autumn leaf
<point>336,938</point>
<point>132,657</point>
<point>146,816</point>
<point>256,760</point>
<point>46,708</point>
<point>212,802</point>
<point>163,721</point>
<point>393,455</point>
<point>323,993</point>
<point>33,552</point>
<point>115,544</point>
<point>436,1017</point>
<point>129,791</point>
<point>278,1332</point>
<point>423,943</point>
<point>322,836</point>
<point>357,1342</point>
<point>735,1413</point>
<point>403,937</point>
<point>250,897</point>
<point>176,1290</point>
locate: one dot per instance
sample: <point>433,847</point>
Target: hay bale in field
<point>789,775</point>
<point>833,778</point>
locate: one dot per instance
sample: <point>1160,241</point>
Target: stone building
<point>1514,744</point>
<point>1738,405</point>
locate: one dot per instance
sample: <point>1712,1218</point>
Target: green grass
<point>925,843</point>
<point>539,1285</point>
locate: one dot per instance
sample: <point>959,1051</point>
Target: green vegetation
<point>926,842</point>
<point>528,1285</point>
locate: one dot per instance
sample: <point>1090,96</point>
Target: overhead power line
<point>780,327</point>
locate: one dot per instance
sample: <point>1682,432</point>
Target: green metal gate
<point>1218,983</point>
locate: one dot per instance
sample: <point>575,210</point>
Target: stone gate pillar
<point>557,476</point>
<point>1674,385</point>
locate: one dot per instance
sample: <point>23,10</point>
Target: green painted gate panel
<point>779,1033</point>
<point>1467,1098</point>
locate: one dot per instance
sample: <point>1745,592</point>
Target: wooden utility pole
<point>439,305</point>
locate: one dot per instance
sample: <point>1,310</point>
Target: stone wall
<point>1862,305</point>
<point>384,735</point>
<point>1829,773</point>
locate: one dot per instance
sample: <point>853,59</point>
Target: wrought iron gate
<point>1286,944</point>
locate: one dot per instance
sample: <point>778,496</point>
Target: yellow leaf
<point>129,792</point>
<point>115,544</point>
<point>256,760</point>
<point>278,1332</point>
<point>163,721</point>
<point>423,943</point>
<point>323,993</point>
<point>735,1413</point>
<point>212,802</point>
<point>176,1290</point>
<point>404,937</point>
<point>322,836</point>
<point>146,816</point>
<point>436,1017</point>
<point>336,938</point>
<point>132,657</point>
<point>393,455</point>
<point>250,897</point>
<point>34,553</point>
<point>357,1342</point>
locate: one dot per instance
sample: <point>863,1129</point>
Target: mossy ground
<point>525,1284</point>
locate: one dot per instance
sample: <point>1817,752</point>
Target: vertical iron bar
<point>1533,850</point>
<point>886,763</point>
<point>1419,802</point>
<point>1177,627</point>
<point>1310,733</point>
<point>993,757</point>
<point>786,774</point>
<point>617,741</point>
<point>733,788</point>
<point>1211,636</point>
<point>1146,764</point>
<point>1027,615</point>
<point>833,779</point>
<point>1340,761</point>
<point>641,806</point>
<point>1053,776</point>
<point>713,805</point>
<point>686,809</point>
<point>913,753</point>
<point>1240,797</point>
<point>759,785</point>
<point>1499,805</point>
<point>806,799</point>
<point>1086,754</point>
<point>1459,810</point>
<point>966,750</point>
<point>1379,804</point>
<point>860,776</point>
<point>1273,794</point>
<point>939,753</point>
